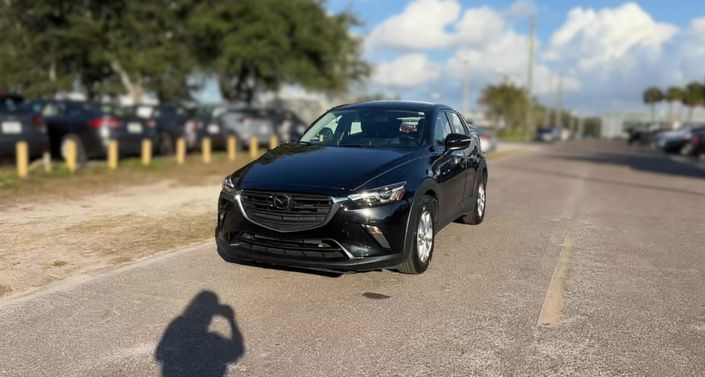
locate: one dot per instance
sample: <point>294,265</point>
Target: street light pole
<point>529,80</point>
<point>466,89</point>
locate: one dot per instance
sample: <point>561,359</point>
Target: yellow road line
<point>552,309</point>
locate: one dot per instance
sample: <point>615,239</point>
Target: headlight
<point>382,195</point>
<point>229,184</point>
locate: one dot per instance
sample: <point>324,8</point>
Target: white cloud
<point>422,25</point>
<point>606,56</point>
<point>521,8</point>
<point>479,27</point>
<point>406,71</point>
<point>593,38</point>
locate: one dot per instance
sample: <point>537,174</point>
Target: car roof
<point>397,105</point>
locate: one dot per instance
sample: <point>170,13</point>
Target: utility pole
<point>530,80</point>
<point>547,111</point>
<point>466,88</point>
<point>559,103</point>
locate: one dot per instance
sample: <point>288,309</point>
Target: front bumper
<point>344,242</point>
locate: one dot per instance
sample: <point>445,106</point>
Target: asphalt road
<point>591,261</point>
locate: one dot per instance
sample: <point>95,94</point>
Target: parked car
<point>488,139</point>
<point>170,122</point>
<point>91,127</point>
<point>695,147</point>
<point>367,186</point>
<point>673,141</point>
<point>19,123</point>
<point>548,134</point>
<point>245,123</point>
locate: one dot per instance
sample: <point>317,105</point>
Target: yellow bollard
<point>273,142</point>
<point>71,155</point>
<point>22,150</point>
<point>232,147</point>
<point>146,152</point>
<point>180,151</point>
<point>112,154</point>
<point>254,147</point>
<point>46,157</point>
<point>206,149</point>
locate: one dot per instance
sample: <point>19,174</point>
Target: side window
<point>442,129</point>
<point>457,124</point>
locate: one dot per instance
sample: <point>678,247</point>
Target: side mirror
<point>456,142</point>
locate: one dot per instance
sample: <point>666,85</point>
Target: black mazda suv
<point>366,187</point>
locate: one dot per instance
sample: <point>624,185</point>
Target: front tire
<point>418,258</point>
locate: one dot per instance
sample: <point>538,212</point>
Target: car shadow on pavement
<point>188,348</point>
<point>325,273</point>
<point>643,161</point>
<point>602,180</point>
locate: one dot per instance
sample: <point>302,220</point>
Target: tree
<point>673,94</point>
<point>32,40</point>
<point>168,46</point>
<point>275,43</point>
<point>505,103</point>
<point>693,97</point>
<point>653,96</point>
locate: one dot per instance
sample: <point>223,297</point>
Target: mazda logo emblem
<point>282,201</point>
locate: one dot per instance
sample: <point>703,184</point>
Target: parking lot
<point>590,262</point>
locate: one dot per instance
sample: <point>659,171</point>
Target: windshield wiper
<point>358,145</point>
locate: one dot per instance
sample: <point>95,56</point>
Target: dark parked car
<point>696,145</point>
<point>367,186</point>
<point>170,122</point>
<point>673,141</point>
<point>245,123</point>
<point>91,127</point>
<point>19,123</point>
<point>548,134</point>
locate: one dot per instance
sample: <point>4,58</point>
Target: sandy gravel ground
<point>51,240</point>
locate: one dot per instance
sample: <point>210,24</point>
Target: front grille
<point>305,211</point>
<point>315,249</point>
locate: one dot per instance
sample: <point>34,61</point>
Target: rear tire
<point>165,144</point>
<point>479,208</point>
<point>418,258</point>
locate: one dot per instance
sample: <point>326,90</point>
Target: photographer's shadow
<point>187,348</point>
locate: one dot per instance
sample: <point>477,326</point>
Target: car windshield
<point>367,127</point>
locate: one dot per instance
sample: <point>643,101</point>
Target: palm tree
<point>674,94</point>
<point>652,96</point>
<point>693,97</point>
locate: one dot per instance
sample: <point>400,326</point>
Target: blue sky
<point>605,51</point>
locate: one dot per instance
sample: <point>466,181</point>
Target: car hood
<point>310,168</point>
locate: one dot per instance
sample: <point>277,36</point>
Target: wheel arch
<point>429,187</point>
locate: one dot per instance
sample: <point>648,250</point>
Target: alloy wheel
<point>424,236</point>
<point>481,199</point>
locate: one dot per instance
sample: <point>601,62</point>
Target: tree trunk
<point>653,113</point>
<point>690,113</point>
<point>133,88</point>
